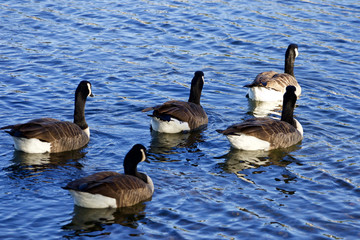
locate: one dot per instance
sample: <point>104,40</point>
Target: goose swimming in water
<point>114,190</point>
<point>266,133</point>
<point>52,135</point>
<point>271,86</point>
<point>178,116</point>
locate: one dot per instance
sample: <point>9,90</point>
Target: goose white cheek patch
<point>143,155</point>
<point>89,87</point>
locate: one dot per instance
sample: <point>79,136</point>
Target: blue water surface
<point>138,54</point>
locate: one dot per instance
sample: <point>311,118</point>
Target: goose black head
<point>199,74</point>
<point>289,101</point>
<point>292,50</point>
<point>84,88</point>
<point>290,89</point>
<point>290,95</point>
<point>136,155</point>
<point>290,55</point>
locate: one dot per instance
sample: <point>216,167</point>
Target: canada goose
<point>266,133</point>
<point>51,135</point>
<point>270,86</point>
<point>177,116</point>
<point>112,189</point>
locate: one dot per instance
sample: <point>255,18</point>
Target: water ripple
<point>139,54</point>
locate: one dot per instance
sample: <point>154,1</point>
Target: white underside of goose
<point>31,145</point>
<point>265,94</point>
<point>299,127</point>
<point>249,143</point>
<point>172,126</point>
<point>88,200</point>
<point>150,183</point>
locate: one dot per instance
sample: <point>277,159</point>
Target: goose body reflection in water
<point>90,220</point>
<point>25,165</point>
<point>263,109</point>
<point>237,161</point>
<point>165,143</point>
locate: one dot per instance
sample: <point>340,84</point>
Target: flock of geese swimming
<point>112,189</point>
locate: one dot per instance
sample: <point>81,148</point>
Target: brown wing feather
<point>274,80</point>
<point>126,189</point>
<point>280,81</point>
<point>280,134</point>
<point>189,112</point>
<point>62,135</point>
<point>264,77</point>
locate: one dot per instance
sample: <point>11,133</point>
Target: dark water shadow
<point>23,165</point>
<point>164,144</point>
<point>264,109</point>
<point>93,222</point>
<point>236,161</point>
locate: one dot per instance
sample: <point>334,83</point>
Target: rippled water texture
<point>140,53</point>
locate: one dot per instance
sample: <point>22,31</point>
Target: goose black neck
<point>289,62</point>
<point>136,155</point>
<point>130,168</point>
<point>130,162</point>
<point>79,112</point>
<point>287,114</point>
<point>196,88</point>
